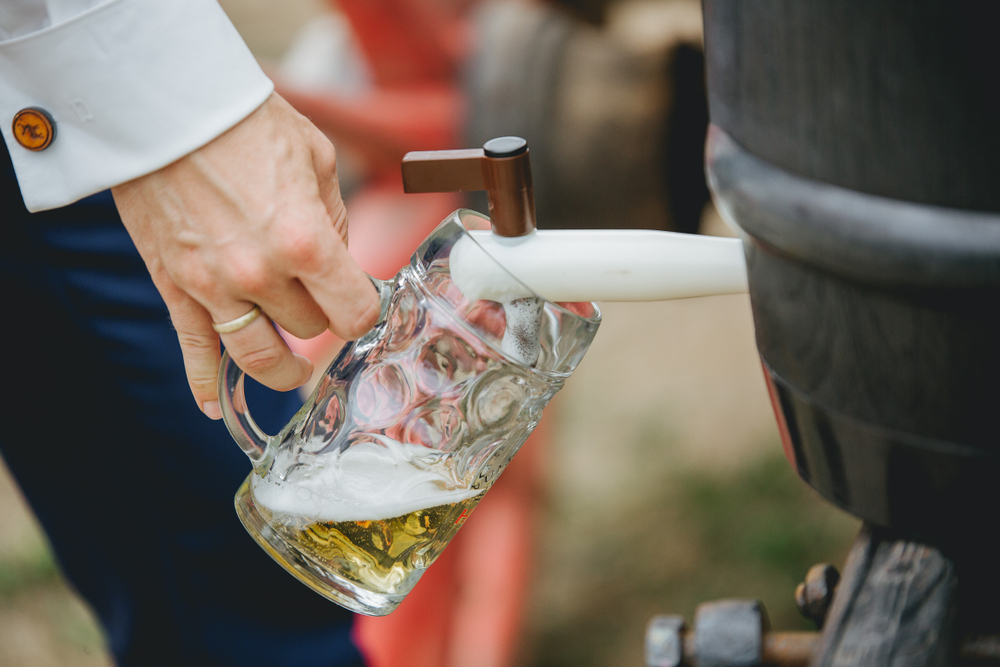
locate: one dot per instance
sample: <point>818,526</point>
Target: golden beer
<point>362,527</point>
<point>384,556</point>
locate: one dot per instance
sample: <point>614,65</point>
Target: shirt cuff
<point>132,86</point>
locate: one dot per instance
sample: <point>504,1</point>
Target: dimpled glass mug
<point>409,427</point>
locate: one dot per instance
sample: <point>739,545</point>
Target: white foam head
<point>367,481</point>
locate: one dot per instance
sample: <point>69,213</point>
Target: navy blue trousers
<point>133,485</point>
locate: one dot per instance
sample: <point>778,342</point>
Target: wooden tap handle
<point>501,167</point>
<point>444,171</point>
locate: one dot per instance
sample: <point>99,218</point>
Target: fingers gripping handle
<point>253,441</point>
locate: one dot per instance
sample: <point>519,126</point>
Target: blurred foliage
<point>751,533</point>
<point>25,572</point>
<point>763,518</point>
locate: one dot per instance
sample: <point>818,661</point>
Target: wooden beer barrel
<point>856,144</point>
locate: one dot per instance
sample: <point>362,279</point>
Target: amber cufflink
<point>33,129</point>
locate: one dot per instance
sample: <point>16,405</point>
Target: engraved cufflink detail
<point>33,129</point>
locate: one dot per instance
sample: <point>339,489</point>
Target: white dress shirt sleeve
<point>132,86</point>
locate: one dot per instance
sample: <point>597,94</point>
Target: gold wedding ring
<point>237,324</point>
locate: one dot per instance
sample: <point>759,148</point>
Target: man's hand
<point>255,217</point>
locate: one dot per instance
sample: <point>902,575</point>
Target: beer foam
<point>479,276</point>
<point>367,481</point>
<point>521,338</point>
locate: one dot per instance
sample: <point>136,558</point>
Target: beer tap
<point>565,265</point>
<point>501,167</point>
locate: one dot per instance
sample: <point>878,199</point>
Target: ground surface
<point>667,485</point>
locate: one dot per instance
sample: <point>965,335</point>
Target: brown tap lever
<point>501,167</point>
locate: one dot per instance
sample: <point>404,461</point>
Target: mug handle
<point>251,439</point>
<point>232,400</point>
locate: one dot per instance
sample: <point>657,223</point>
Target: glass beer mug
<point>407,430</point>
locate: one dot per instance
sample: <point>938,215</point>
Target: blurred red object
<point>384,124</point>
<point>410,42</point>
<point>467,608</point>
<point>470,603</point>
<point>415,50</point>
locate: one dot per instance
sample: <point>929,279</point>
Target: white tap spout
<point>598,265</point>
